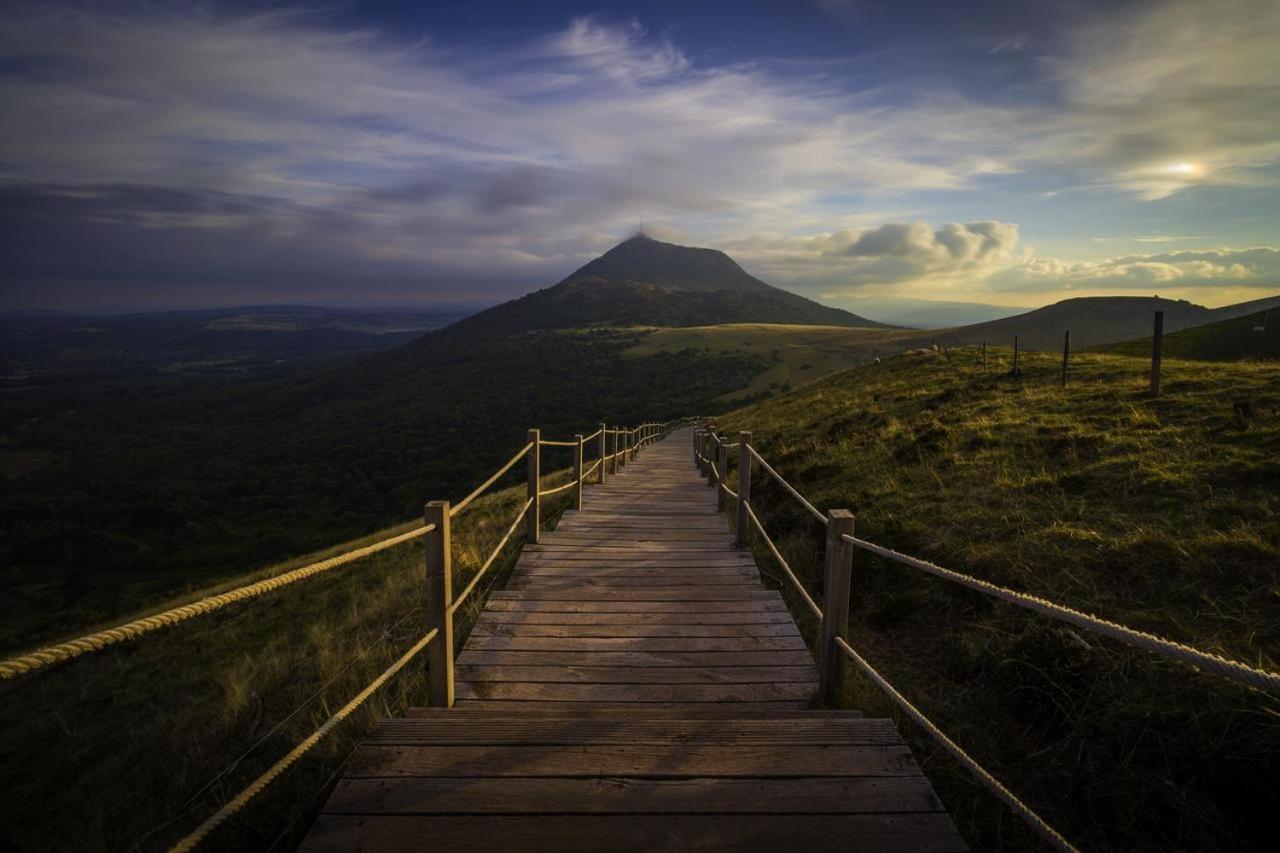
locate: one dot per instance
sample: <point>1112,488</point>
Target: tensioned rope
<point>493,555</point>
<point>130,630</point>
<point>479,490</point>
<point>1047,832</point>
<point>240,800</point>
<point>777,555</point>
<point>790,488</point>
<point>1258,678</point>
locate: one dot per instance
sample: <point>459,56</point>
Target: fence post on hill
<point>439,600</point>
<point>722,462</point>
<point>1157,342</point>
<point>577,471</point>
<point>984,353</point>
<point>835,605</point>
<point>744,486</point>
<point>1066,354</point>
<point>533,521</point>
<point>1017,371</point>
<point>603,447</point>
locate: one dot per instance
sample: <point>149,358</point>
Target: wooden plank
<point>639,675</point>
<point>720,592</point>
<point>522,580</point>
<point>638,606</point>
<point>889,833</point>
<point>477,656</point>
<point>635,796</point>
<point>532,728</point>
<point>755,617</point>
<point>630,629</point>
<point>638,644</point>
<point>538,691</point>
<point>665,761</point>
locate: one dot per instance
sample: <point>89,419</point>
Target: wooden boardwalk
<point>635,687</point>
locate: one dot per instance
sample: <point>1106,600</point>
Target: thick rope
<point>587,473</point>
<point>131,630</point>
<point>1047,832</point>
<point>479,490</point>
<point>242,799</point>
<point>809,602</point>
<point>587,438</point>
<point>558,489</point>
<point>548,443</point>
<point>1258,678</point>
<point>769,468</point>
<point>493,555</point>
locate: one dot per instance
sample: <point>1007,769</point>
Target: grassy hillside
<point>1160,513</point>
<point>1226,340</point>
<point>1091,321</point>
<point>793,355</point>
<point>113,751</point>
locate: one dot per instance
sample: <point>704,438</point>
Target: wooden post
<point>603,446</point>
<point>1157,342</point>
<point>622,443</point>
<point>722,461</point>
<point>1016,371</point>
<point>710,453</point>
<point>439,600</point>
<point>613,457</point>
<point>984,353</point>
<point>699,441</point>
<point>577,472</point>
<point>1066,354</point>
<point>744,487</point>
<point>835,605</point>
<point>533,521</point>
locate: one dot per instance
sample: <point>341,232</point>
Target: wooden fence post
<point>1016,370</point>
<point>984,353</point>
<point>699,440</point>
<point>1157,342</point>
<point>722,461</point>
<point>439,600</point>
<point>533,521</point>
<point>1066,354</point>
<point>603,447</point>
<point>710,453</point>
<point>623,439</point>
<point>577,472</point>
<point>613,457</point>
<point>835,605</point>
<point>744,487</point>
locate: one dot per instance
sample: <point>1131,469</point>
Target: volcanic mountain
<point>645,282</point>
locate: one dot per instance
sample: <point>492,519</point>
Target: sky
<point>172,154</point>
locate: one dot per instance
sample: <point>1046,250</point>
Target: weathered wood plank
<point>537,691</point>
<point>630,629</point>
<point>635,796</point>
<point>720,592</point>
<point>755,617</point>
<point>636,644</point>
<point>917,833</point>
<point>638,606</point>
<point>577,657</point>
<point>668,761</point>
<point>535,729</point>
<point>635,675</point>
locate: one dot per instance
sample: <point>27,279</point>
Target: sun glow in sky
<point>210,153</point>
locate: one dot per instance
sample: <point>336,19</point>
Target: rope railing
<point>546,442</point>
<point>493,556</point>
<point>98,640</point>
<point>782,561</point>
<point>1037,823</point>
<point>1217,664</point>
<point>564,487</point>
<point>593,435</point>
<point>480,489</point>
<point>254,788</point>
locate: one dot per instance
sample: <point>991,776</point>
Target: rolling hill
<point>645,282</point>
<point>1233,339</point>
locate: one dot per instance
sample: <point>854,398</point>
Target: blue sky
<point>171,154</point>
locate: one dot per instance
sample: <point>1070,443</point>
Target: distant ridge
<point>1232,339</point>
<point>645,282</point>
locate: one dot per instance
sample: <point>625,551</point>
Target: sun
<point>1183,168</point>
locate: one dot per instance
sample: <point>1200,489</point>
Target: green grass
<point>795,355</point>
<point>1160,513</point>
<point>1227,340</point>
<point>114,750</point>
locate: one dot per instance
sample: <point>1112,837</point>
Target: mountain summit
<point>645,282</point>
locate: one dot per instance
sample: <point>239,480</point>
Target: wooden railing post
<point>603,450</point>
<point>624,439</point>
<point>577,472</point>
<point>533,521</point>
<point>697,448</point>
<point>744,486</point>
<point>722,462</point>
<point>439,600</point>
<point>613,457</point>
<point>710,453</point>
<point>835,605</point>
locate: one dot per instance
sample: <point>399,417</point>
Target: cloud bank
<point>188,155</point>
